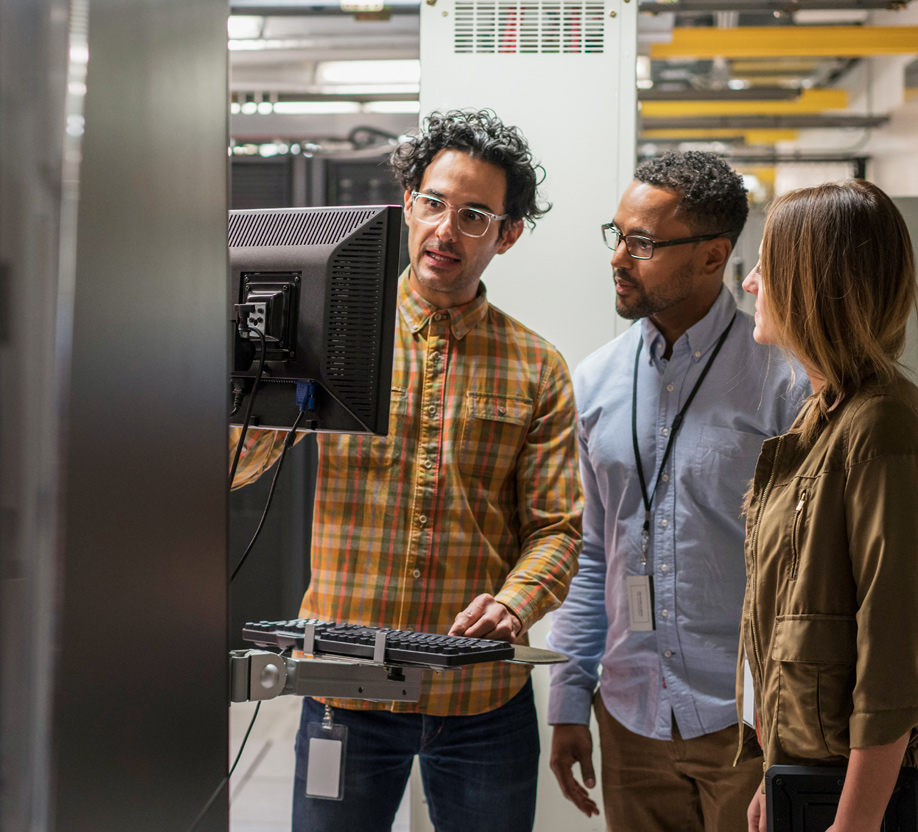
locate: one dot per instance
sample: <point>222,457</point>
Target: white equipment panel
<point>563,71</point>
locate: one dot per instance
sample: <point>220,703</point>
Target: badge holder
<point>325,756</point>
<point>640,590</point>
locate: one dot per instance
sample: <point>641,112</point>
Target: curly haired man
<point>465,519</point>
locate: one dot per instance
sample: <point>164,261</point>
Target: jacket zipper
<point>755,555</point>
<point>795,535</point>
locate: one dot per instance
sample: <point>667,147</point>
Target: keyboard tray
<point>356,641</point>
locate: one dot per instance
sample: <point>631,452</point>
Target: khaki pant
<point>673,785</point>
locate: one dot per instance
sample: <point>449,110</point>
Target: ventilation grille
<point>291,227</point>
<point>355,300</point>
<point>520,27</point>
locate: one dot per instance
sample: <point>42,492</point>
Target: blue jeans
<point>479,771</point>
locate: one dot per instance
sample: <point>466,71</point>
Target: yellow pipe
<point>750,136</point>
<point>765,175</point>
<point>777,65</point>
<point>808,102</point>
<point>788,41</point>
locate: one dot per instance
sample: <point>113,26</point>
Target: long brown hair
<point>838,274</point>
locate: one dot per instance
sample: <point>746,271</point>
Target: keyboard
<point>356,641</point>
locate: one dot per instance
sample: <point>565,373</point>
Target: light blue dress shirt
<point>687,665</point>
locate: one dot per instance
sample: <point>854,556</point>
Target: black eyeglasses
<point>641,248</point>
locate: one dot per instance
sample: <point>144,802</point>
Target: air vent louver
<point>521,27</point>
<point>283,228</point>
<point>354,300</point>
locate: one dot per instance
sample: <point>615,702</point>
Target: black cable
<point>288,443</point>
<point>226,779</point>
<point>248,410</point>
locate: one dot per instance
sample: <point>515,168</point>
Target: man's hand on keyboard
<point>486,618</point>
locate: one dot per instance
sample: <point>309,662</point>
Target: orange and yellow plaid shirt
<point>474,490</point>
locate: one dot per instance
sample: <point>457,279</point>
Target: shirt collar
<point>698,339</point>
<point>417,312</point>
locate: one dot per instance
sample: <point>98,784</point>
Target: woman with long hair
<point>830,617</point>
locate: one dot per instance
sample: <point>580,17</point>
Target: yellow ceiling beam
<point>788,41</point>
<point>765,175</point>
<point>807,103</point>
<point>778,65</point>
<point>749,136</point>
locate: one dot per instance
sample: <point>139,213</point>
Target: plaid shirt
<point>474,490</point>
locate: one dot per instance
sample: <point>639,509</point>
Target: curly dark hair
<point>713,196</point>
<point>482,135</point>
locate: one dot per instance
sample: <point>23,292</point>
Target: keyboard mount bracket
<point>257,675</point>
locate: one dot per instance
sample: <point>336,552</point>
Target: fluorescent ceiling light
<point>643,68</point>
<point>369,72</point>
<point>348,6</point>
<point>392,107</point>
<point>79,53</point>
<point>369,89</point>
<point>239,26</point>
<point>302,108</point>
<point>263,44</point>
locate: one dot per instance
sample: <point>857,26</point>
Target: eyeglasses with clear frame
<point>642,248</point>
<point>430,210</point>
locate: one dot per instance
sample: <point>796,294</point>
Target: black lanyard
<point>677,423</point>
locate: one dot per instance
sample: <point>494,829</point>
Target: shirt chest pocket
<point>493,431</point>
<point>724,463</point>
<point>381,451</point>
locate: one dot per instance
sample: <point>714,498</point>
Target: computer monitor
<point>321,285</point>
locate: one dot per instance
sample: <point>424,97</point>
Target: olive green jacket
<point>830,617</point>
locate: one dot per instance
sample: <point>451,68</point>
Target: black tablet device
<point>805,799</point>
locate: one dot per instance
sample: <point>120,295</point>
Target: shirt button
<point>668,653</point>
<point>670,388</point>
<point>435,357</point>
<point>664,613</point>
<point>416,573</point>
<point>697,353</point>
<point>665,478</point>
<point>428,464</point>
<point>432,409</point>
<point>502,411</point>
<point>438,317</point>
<point>664,523</point>
<point>422,519</point>
<point>666,431</point>
<point>664,567</point>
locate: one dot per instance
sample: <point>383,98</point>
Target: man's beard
<point>676,290</point>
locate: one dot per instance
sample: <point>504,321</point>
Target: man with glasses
<point>465,519</point>
<point>672,415</point>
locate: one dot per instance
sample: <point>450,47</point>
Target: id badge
<point>325,757</point>
<point>748,695</point>
<point>640,603</point>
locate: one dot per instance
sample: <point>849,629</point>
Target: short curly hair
<point>482,135</point>
<point>713,197</point>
